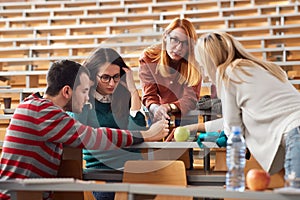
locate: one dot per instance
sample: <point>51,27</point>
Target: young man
<point>40,127</point>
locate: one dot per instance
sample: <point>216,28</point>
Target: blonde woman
<point>169,72</point>
<point>257,96</point>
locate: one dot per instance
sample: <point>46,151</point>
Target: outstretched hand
<point>161,111</point>
<point>157,131</point>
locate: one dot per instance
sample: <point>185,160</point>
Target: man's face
<point>80,95</point>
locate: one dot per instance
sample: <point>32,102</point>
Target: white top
<point>214,125</point>
<point>264,107</point>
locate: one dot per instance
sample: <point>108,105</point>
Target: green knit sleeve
<point>137,123</point>
<point>87,117</point>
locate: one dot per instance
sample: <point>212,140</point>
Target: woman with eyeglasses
<point>169,73</point>
<point>170,77</point>
<point>115,104</point>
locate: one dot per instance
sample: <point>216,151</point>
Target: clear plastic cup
<point>292,182</point>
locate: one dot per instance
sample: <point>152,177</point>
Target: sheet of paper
<point>287,190</point>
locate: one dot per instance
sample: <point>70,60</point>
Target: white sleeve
<point>133,113</point>
<point>214,125</point>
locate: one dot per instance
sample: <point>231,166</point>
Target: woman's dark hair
<point>101,56</point>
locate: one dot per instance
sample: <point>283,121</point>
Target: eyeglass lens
<point>106,78</point>
<point>176,41</point>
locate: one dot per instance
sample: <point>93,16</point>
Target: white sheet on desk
<point>287,190</point>
<point>41,180</point>
<point>210,144</point>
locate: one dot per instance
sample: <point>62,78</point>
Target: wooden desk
<point>70,167</point>
<point>196,191</point>
<point>23,191</point>
<point>178,145</point>
<point>172,145</point>
<point>210,192</point>
<point>194,177</point>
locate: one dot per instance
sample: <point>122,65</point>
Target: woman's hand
<point>160,112</point>
<point>129,80</point>
<point>135,96</point>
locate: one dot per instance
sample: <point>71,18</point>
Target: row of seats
<point>37,55</point>
<point>36,5</point>
<point>11,18</point>
<point>229,17</point>
<point>46,49</point>
<point>35,34</point>
<point>36,27</point>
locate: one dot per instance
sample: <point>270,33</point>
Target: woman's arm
<point>148,82</point>
<point>209,126</point>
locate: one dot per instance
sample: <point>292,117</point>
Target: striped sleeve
<point>65,129</point>
<point>46,122</point>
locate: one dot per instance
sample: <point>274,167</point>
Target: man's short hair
<point>64,73</point>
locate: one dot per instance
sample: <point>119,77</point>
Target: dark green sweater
<point>103,116</point>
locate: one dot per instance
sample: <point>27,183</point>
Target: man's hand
<point>170,136</point>
<point>157,131</point>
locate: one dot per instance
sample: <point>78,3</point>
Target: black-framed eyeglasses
<point>106,78</point>
<point>175,41</point>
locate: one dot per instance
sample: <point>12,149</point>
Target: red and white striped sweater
<point>33,142</point>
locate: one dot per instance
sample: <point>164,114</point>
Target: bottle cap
<point>236,129</point>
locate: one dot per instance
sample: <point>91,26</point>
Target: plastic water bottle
<point>235,160</point>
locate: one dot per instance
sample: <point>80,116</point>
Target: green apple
<point>181,134</point>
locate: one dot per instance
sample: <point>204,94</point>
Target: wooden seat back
<point>165,172</point>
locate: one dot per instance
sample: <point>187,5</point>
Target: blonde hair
<point>189,69</point>
<point>219,50</point>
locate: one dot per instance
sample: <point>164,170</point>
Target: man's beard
<point>68,106</point>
